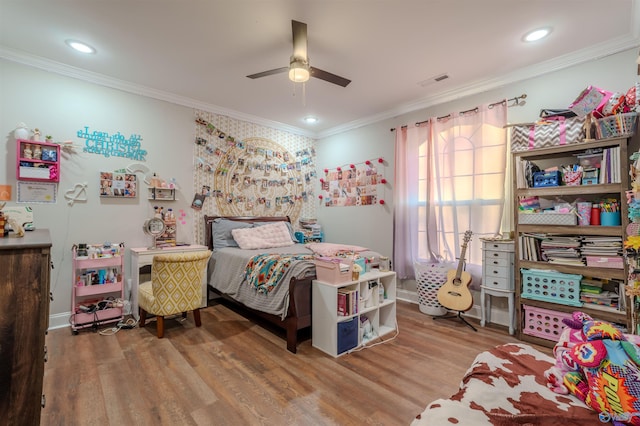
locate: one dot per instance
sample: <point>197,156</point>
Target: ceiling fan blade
<point>331,78</point>
<point>299,35</point>
<point>270,72</point>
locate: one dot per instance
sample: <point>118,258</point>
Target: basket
<point>551,286</point>
<point>543,323</point>
<point>547,219</point>
<point>328,270</point>
<point>619,125</point>
<point>429,278</point>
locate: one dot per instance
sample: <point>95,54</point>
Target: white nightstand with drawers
<point>497,277</point>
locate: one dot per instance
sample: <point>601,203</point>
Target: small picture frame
<point>118,184</point>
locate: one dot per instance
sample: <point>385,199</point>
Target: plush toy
<point>601,366</point>
<point>17,228</point>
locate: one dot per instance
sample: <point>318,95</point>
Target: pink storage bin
<point>328,270</point>
<point>614,262</point>
<point>543,323</point>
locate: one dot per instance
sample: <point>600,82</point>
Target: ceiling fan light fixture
<point>299,71</point>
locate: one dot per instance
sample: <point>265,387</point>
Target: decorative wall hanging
<point>250,177</point>
<point>118,184</point>
<point>138,167</point>
<point>354,184</point>
<point>77,193</point>
<point>112,145</point>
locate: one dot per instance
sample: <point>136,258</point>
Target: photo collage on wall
<point>118,184</point>
<point>353,187</point>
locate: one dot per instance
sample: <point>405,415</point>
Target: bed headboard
<point>208,220</point>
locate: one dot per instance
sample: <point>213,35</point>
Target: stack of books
<point>562,250</point>
<point>593,292</point>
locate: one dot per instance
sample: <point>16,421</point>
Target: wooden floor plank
<point>232,371</point>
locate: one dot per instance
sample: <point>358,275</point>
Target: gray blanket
<point>226,274</point>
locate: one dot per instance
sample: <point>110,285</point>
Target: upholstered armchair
<point>175,287</point>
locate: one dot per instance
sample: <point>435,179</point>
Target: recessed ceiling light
<point>310,120</point>
<point>80,46</point>
<point>536,35</point>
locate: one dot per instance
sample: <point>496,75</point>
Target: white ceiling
<point>198,52</point>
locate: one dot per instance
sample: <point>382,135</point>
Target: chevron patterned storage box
<point>563,131</point>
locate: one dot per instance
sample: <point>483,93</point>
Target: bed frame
<point>299,312</point>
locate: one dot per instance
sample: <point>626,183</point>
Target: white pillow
<point>265,236</point>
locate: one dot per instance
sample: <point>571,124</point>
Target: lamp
<point>298,70</point>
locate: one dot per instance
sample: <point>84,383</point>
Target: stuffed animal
<point>601,366</point>
<point>17,228</point>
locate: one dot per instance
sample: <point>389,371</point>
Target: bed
<point>288,304</point>
<point>506,386</point>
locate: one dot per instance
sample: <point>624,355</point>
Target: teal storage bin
<point>551,286</point>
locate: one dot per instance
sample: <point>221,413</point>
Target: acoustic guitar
<point>454,294</point>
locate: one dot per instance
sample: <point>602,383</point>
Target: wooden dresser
<point>24,319</point>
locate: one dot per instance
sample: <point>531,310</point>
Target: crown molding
<point>106,81</point>
<point>575,58</point>
<point>592,53</point>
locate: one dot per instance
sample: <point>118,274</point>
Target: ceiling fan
<point>299,68</point>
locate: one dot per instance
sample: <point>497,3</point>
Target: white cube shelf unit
<point>339,333</point>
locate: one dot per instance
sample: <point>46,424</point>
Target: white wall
<point>372,226</point>
<point>60,106</point>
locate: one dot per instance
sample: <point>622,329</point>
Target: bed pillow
<point>221,232</point>
<point>291,231</point>
<point>331,249</point>
<point>265,236</point>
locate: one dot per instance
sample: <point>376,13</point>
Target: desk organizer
<point>551,286</point>
<point>543,323</point>
<point>329,270</point>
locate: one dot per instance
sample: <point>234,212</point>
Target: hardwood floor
<point>231,371</point>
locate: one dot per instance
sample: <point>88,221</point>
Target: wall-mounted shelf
<point>161,194</point>
<point>37,161</point>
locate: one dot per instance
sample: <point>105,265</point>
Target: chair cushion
<point>176,284</point>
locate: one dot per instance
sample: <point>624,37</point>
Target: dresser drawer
<point>492,254</point>
<point>498,283</point>
<point>500,261</point>
<point>507,247</point>
<point>490,272</point>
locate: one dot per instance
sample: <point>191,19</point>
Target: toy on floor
<point>600,365</point>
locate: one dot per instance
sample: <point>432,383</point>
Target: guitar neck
<point>461,262</point>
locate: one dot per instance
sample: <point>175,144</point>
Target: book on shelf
<point>342,304</point>
<point>348,303</point>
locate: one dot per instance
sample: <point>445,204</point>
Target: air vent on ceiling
<point>435,79</point>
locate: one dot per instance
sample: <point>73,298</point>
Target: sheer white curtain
<point>410,204</point>
<point>450,178</point>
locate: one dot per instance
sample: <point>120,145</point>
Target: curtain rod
<point>516,99</point>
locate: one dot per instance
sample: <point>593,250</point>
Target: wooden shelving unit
<point>557,156</point>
